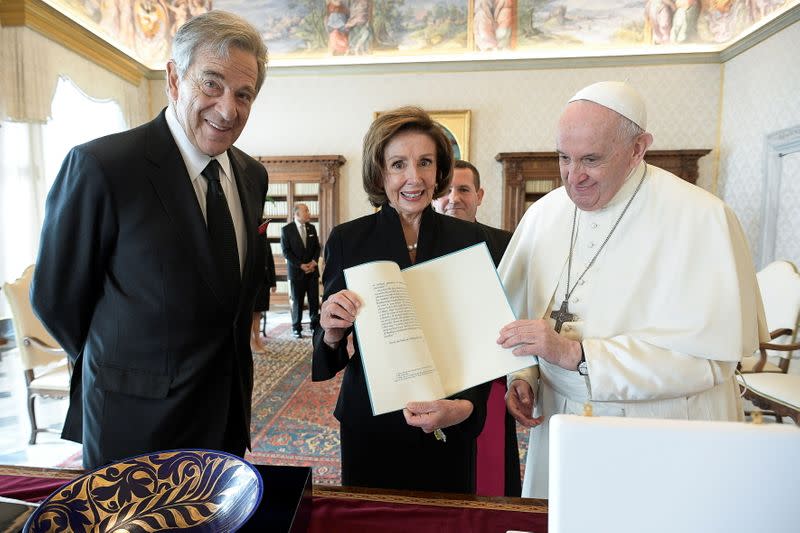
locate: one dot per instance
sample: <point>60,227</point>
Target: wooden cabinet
<point>527,176</point>
<point>312,180</point>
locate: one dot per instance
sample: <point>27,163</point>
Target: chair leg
<point>264,323</point>
<point>32,416</point>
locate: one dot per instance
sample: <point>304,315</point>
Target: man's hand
<point>536,337</point>
<point>430,416</point>
<point>519,402</point>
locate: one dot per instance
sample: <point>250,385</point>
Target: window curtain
<point>22,184</point>
<point>30,67</point>
<point>42,115</point>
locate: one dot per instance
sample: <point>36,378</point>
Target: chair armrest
<point>774,334</point>
<point>779,347</point>
<point>40,353</point>
<point>39,345</point>
<point>784,361</point>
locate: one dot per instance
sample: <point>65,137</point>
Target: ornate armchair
<point>779,283</point>
<point>778,394</point>
<point>765,378</point>
<point>45,364</point>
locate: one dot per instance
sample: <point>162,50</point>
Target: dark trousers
<point>307,285</point>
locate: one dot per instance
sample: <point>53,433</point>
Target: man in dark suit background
<point>301,248</point>
<point>150,259</point>
<point>462,201</point>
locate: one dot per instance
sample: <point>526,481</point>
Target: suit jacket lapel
<point>309,229</point>
<point>250,211</point>
<point>296,239</point>
<point>174,188</point>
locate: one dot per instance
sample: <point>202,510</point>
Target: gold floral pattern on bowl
<point>190,490</point>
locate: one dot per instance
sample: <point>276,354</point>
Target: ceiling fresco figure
<point>492,23</point>
<point>658,16</point>
<point>336,14</point>
<point>359,27</point>
<point>349,26</point>
<point>152,29</point>
<point>684,21</point>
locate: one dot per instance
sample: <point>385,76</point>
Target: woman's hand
<point>437,414</point>
<point>337,315</point>
<point>519,402</point>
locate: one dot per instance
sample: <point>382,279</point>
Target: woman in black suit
<point>407,162</point>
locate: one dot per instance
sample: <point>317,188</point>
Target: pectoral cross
<point>562,315</point>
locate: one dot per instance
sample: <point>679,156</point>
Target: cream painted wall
<point>511,111</point>
<point>761,96</point>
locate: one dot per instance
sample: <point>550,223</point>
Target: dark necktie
<point>221,233</point>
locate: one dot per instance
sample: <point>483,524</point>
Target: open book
<point>430,331</point>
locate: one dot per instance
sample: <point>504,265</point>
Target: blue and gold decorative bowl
<point>187,490</point>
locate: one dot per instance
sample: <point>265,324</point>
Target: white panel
<point>630,475</point>
<point>787,235</point>
<point>761,90</point>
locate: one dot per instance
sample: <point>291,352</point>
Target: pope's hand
<point>337,315</point>
<point>537,337</point>
<point>519,402</point>
<point>437,414</point>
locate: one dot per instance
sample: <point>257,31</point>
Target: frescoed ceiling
<point>320,32</point>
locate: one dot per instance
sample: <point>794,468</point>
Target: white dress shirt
<point>301,228</point>
<point>196,162</point>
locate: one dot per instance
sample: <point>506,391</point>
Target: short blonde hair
<point>382,130</point>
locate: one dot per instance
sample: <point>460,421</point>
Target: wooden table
<point>347,509</point>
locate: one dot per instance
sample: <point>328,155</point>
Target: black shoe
<point>297,334</point>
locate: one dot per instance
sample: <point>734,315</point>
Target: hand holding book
<point>432,416</point>
<point>337,315</point>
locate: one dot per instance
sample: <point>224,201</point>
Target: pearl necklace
<point>411,247</point>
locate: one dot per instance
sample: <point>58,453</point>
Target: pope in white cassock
<point>635,289</point>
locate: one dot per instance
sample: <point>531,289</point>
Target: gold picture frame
<point>456,126</point>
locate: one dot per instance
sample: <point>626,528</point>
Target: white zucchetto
<point>617,96</point>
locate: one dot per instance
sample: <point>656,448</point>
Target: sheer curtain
<point>30,156</point>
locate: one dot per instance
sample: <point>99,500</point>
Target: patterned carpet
<point>293,421</point>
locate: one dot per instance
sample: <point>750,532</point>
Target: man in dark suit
<point>300,246</point>
<point>150,259</point>
<point>462,201</point>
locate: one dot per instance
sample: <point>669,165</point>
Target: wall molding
<point>776,146</point>
<point>767,30</point>
<point>56,26</point>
